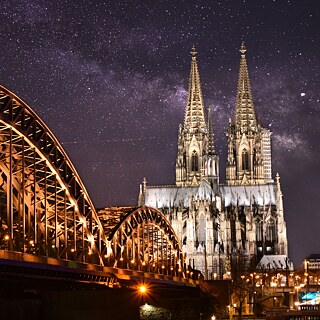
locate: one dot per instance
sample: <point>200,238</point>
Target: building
<point>223,225</point>
<point>312,262</point>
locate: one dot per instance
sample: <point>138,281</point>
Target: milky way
<point>110,80</point>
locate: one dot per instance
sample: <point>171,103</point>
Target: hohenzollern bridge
<point>49,227</point>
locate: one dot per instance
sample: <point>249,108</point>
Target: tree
<point>240,294</point>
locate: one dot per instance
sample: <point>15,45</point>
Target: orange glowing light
<point>143,289</point>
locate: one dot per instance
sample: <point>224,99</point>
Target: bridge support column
<point>291,300</point>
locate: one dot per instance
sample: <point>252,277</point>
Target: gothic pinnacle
<point>194,116</point>
<point>211,149</point>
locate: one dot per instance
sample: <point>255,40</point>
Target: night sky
<point>110,79</point>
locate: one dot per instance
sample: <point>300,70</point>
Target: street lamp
<point>235,308</point>
<point>143,289</point>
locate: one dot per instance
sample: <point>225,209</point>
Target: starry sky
<point>110,79</point>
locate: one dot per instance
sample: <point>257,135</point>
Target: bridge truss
<point>142,239</point>
<point>45,209</point>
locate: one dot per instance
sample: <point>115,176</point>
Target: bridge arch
<point>44,206</point>
<point>142,238</point>
<point>46,210</point>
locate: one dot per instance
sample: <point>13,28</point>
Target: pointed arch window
<point>209,167</point>
<point>271,231</point>
<point>194,161</point>
<point>259,231</point>
<point>215,267</point>
<point>245,160</point>
<point>202,229</point>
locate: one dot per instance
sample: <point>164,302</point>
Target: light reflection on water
<point>148,312</point>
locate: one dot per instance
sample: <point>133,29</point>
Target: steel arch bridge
<point>142,239</point>
<point>45,209</point>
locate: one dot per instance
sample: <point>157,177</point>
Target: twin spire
<point>196,157</point>
<point>245,116</point>
<point>194,117</point>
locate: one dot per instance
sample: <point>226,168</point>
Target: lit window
<point>259,231</point>
<point>245,160</point>
<point>194,161</point>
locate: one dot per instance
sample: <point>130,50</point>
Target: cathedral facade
<point>223,225</point>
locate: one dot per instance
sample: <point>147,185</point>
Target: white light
<point>91,238</point>
<point>302,94</point>
<point>82,220</point>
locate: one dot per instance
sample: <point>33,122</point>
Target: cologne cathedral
<point>236,223</point>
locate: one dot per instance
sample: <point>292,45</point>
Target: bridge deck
<point>28,265</point>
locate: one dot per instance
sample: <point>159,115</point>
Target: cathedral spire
<point>194,116</point>
<point>245,114</point>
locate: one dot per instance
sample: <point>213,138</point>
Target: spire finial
<point>243,48</point>
<point>193,51</point>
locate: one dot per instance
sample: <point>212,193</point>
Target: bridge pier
<point>291,300</point>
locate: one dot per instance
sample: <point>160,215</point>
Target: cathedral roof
<point>240,195</point>
<point>173,196</point>
<point>194,116</point>
<point>245,114</point>
<point>275,262</point>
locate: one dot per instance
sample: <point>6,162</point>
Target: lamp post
<point>297,297</point>
<point>235,308</point>
<point>7,238</point>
